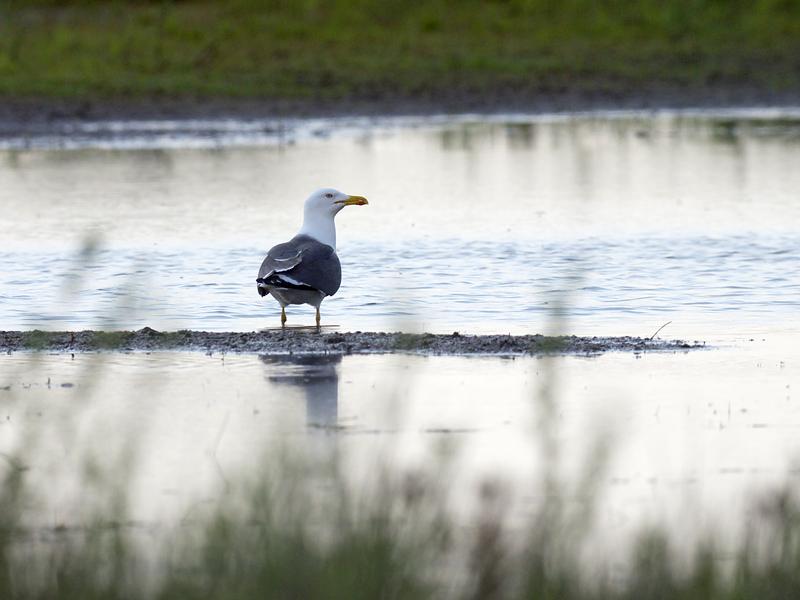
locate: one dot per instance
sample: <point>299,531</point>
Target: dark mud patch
<point>310,342</point>
<point>60,122</point>
<point>49,114</point>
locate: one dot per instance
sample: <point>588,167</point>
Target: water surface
<point>688,432</point>
<point>474,224</point>
<point>592,224</point>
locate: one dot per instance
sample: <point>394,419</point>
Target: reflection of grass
<point>375,49</point>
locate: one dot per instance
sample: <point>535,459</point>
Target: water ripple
<point>444,283</point>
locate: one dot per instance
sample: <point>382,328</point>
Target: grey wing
<point>302,263</point>
<point>280,258</point>
<point>319,268</point>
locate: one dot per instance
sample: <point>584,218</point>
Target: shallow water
<point>474,224</point>
<point>591,224</point>
<point>683,443</point>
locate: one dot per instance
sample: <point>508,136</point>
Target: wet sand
<point>309,341</point>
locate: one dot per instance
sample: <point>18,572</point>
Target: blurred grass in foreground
<point>369,49</point>
<point>292,526</point>
<point>277,536</point>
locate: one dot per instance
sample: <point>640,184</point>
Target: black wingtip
<point>278,282</point>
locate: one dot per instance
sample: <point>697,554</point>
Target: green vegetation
<point>322,50</point>
<point>277,536</point>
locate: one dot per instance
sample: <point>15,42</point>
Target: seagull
<point>305,269</point>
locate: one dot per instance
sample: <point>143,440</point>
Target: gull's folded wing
<point>301,263</point>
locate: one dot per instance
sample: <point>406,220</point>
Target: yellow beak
<point>357,200</point>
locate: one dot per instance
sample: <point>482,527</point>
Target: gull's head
<point>328,201</point>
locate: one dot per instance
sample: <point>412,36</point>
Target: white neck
<point>319,226</point>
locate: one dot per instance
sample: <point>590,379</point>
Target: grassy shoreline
<point>82,58</point>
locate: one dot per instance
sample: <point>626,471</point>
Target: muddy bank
<point>28,115</point>
<point>310,342</point>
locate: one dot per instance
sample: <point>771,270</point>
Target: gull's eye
<point>329,195</point>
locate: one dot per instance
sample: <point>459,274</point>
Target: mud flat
<point>309,341</point>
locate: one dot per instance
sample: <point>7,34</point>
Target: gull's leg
<point>283,317</point>
<point>318,317</point>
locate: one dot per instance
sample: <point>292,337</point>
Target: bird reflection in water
<point>317,376</point>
